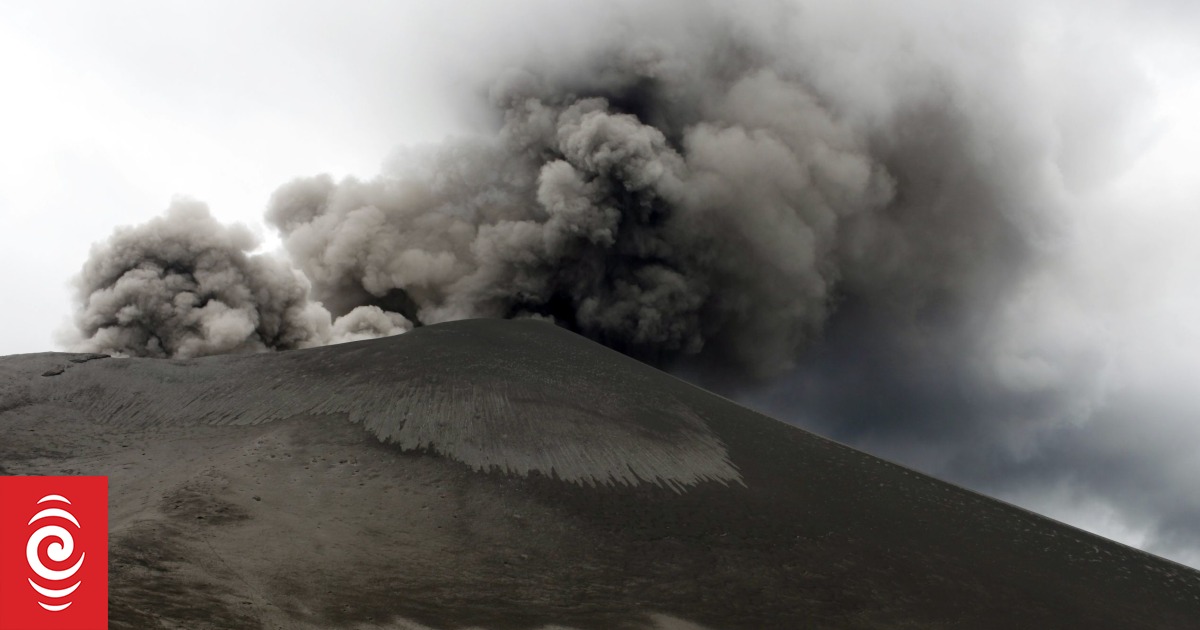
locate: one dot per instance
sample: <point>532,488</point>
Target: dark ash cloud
<point>661,241</point>
<point>683,192</point>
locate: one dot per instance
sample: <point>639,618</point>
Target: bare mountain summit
<point>512,475</point>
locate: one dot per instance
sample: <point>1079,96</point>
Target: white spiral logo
<point>59,551</point>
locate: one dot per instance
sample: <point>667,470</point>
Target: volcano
<point>512,475</point>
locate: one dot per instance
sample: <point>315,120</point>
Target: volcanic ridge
<point>514,475</point>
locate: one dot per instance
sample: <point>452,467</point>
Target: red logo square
<point>53,553</point>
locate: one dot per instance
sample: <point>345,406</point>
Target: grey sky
<point>1073,394</point>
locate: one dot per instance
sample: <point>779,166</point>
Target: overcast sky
<point>112,110</point>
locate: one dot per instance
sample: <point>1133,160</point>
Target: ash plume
<point>183,285</point>
<point>662,205</point>
<point>670,199</point>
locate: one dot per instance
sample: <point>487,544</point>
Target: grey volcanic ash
<point>665,198</point>
<point>184,285</point>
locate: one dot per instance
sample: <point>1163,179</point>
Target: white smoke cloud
<point>368,322</point>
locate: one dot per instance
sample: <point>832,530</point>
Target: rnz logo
<point>54,548</point>
<point>60,551</point>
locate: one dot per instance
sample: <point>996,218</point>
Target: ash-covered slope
<point>512,475</point>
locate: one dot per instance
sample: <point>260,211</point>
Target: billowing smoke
<point>877,206</point>
<point>660,230</point>
<point>702,189</point>
<point>367,322</point>
<point>673,200</point>
<point>662,201</point>
<point>183,285</point>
